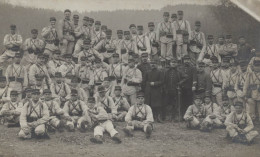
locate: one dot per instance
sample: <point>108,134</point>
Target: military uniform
<point>183,36</point>
<point>166,35</point>
<point>225,109</point>
<point>12,43</point>
<point>228,49</point>
<point>67,69</point>
<point>144,67</point>
<point>154,55</point>
<point>76,83</point>
<point>54,64</point>
<point>218,76</point>
<point>4,93</point>
<point>115,71</point>
<point>142,42</point>
<point>34,116</point>
<point>97,35</point>
<point>99,74</point>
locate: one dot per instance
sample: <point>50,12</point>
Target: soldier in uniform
<point>39,68</point>
<point>133,31</point>
<point>245,51</point>
<point>121,104</point>
<point>11,110</point>
<point>139,116</point>
<point>131,80</point>
<point>12,43</point>
<point>4,93</point>
<point>34,116</point>
<point>39,84</point>
<point>197,42</point>
<point>116,70</point>
<point>99,73</point>
<point>229,49</point>
<point>67,69</point>
<point>225,109</point>
<point>97,34</point>
<point>166,35</point>
<point>66,33</point>
<point>76,20</point>
<point>239,124</point>
<point>153,83</point>
<point>16,75</point>
<point>127,48</point>
<point>119,39</point>
<point>195,113</point>
<point>77,110</point>
<point>32,47</point>
<point>142,42</point>
<point>183,35</point>
<point>144,66</point>
<point>50,36</point>
<point>27,95</point>
<point>154,55</point>
<point>212,113</point>
<point>239,85</point>
<point>75,83</point>
<point>101,122</point>
<point>54,63</point>
<point>173,17</point>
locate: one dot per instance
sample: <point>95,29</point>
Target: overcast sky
<point>96,5</point>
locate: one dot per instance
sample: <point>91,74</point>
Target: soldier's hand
<point>243,131</point>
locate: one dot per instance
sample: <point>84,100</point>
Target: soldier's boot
<point>83,127</point>
<point>11,125</point>
<point>117,138</point>
<point>60,126</point>
<point>97,139</point>
<point>128,132</point>
<point>70,128</point>
<point>236,139</point>
<point>148,132</point>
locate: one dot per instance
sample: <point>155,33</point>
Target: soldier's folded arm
<point>149,115</point>
<point>188,113</point>
<point>4,109</point>
<point>7,42</point>
<point>129,114</point>
<point>57,108</point>
<point>45,115</point>
<point>19,41</point>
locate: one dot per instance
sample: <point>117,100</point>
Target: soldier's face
<point>140,100</point>
<point>242,41</point>
<point>2,84</point>
<point>117,92</point>
<point>201,68</point>
<point>116,59</point>
<point>41,60</point>
<point>228,40</point>
<point>238,109</point>
<point>197,28</point>
<point>186,61</point>
<point>35,96</point>
<point>207,100</point>
<point>39,82</point>
<point>76,21</point>
<point>58,80</point>
<point>28,94</point>
<point>74,97</point>
<point>166,18</point>
<point>233,69</point>
<point>106,84</point>
<point>53,23</point>
<point>221,41</point>
<point>225,65</point>
<point>151,28</point>
<point>131,64</point>
<point>85,23</point>
<point>153,65</point>
<point>13,31</point>
<point>174,18</point>
<point>197,102</point>
<point>127,37</point>
<point>180,16</point>
<point>133,30</point>
<point>88,63</point>
<point>173,64</point>
<point>140,32</point>
<point>225,102</point>
<point>47,96</point>
<point>17,60</point>
<point>243,68</point>
<point>109,36</point>
<point>210,41</point>
<point>120,36</point>
<point>144,59</point>
<point>91,105</point>
<point>214,65</point>
<point>98,65</point>
<point>13,98</point>
<point>102,93</point>
<point>67,15</point>
<point>97,27</point>
<point>68,59</point>
<point>34,35</point>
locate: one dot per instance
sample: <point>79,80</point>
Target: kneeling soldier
<point>34,116</point>
<point>77,110</point>
<point>239,124</point>
<point>100,122</point>
<point>12,110</point>
<point>121,104</point>
<point>195,113</point>
<point>139,116</point>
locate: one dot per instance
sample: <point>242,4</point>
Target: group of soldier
<point>79,77</point>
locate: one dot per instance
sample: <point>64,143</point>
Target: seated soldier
<point>108,87</point>
<point>28,95</point>
<point>212,115</point>
<point>39,83</point>
<point>195,113</point>
<point>12,110</point>
<point>75,84</point>
<point>139,116</point>
<point>100,122</point>
<point>4,94</point>
<point>239,124</point>
<point>226,108</point>
<point>121,104</point>
<point>34,116</point>
<point>77,110</point>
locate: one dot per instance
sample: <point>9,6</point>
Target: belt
<point>98,83</point>
<point>85,81</point>
<point>217,85</point>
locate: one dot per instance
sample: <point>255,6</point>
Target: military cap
<point>52,19</point>
<point>140,27</point>
<point>241,36</point>
<point>140,94</point>
<point>109,32</point>
<point>18,55</point>
<point>12,27</point>
<point>226,59</point>
<point>238,102</point>
<point>214,59</point>
<point>166,14</point>
<point>34,31</point>
<point>27,90</point>
<point>75,16</point>
<point>97,60</point>
<point>39,77</point>
<point>126,32</point>
<point>91,20</point>
<point>150,24</point>
<point>180,12</point>
<point>115,55</point>
<point>91,100</point>
<point>97,22</point>
<point>104,27</point>
<point>207,95</point>
<point>197,23</point>
<point>74,92</point>
<point>75,79</point>
<point>174,15</point>
<point>186,57</point>
<point>256,63</point>
<point>101,88</point>
<point>86,18</point>
<point>228,36</point>
<point>87,41</point>
<point>58,75</point>
<point>106,79</point>
<point>119,31</point>
<point>36,91</point>
<point>67,10</point>
<point>2,78</point>
<point>14,92</point>
<point>243,62</point>
<point>132,25</point>
<point>197,96</point>
<point>201,64</point>
<point>118,88</point>
<point>210,37</point>
<point>67,55</point>
<point>221,36</point>
<point>144,54</point>
<point>46,91</point>
<point>57,52</point>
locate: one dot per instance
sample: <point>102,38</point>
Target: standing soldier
<point>153,83</point>
<point>77,111</point>
<point>173,17</point>
<point>239,124</point>
<point>99,73</point>
<point>12,43</point>
<point>4,93</point>
<point>142,42</point>
<point>245,51</point>
<point>210,51</point>
<point>183,36</point>
<point>66,33</point>
<point>116,70</point>
<point>33,118</point>
<point>139,116</point>
<point>229,49</point>
<point>166,35</point>
<point>119,39</point>
<point>144,67</point>
<point>76,21</point>
<point>11,110</point>
<point>131,80</point>
<point>67,69</point>
<point>16,75</point>
<point>197,42</point>
<point>132,29</point>
<point>75,83</point>
<point>50,36</point>
<point>32,47</point>
<point>97,34</point>
<point>154,45</point>
<point>39,69</point>
<point>39,84</point>
<point>225,109</point>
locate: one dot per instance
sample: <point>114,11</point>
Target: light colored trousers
<point>105,126</point>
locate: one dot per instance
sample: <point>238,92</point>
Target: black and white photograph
<point>129,78</point>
